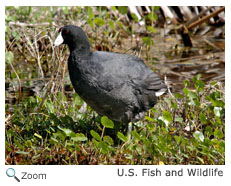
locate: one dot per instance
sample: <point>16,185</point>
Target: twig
<point>11,23</point>
<point>49,84</point>
<point>19,81</point>
<point>206,18</point>
<point>166,83</point>
<point>102,133</point>
<point>211,44</point>
<point>198,16</point>
<point>38,56</point>
<point>168,13</point>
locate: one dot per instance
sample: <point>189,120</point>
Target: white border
<point>106,175</point>
<point>228,87</point>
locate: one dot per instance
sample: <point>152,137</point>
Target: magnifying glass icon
<point>11,173</point>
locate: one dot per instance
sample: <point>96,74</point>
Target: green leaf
<point>198,136</point>
<point>196,102</point>
<point>28,143</point>
<point>76,139</point>
<point>218,134</point>
<point>95,135</point>
<point>173,105</point>
<point>199,85</point>
<point>36,156</point>
<point>178,119</point>
<point>111,24</point>
<point>147,40</point>
<point>103,146</point>
<point>22,152</point>
<point>65,9</point>
<point>151,127</point>
<point>79,137</point>
<point>98,21</point>
<point>177,138</point>
<point>108,140</point>
<point>192,95</point>
<point>16,35</point>
<point>50,107</point>
<point>113,8</point>
<point>123,9</point>
<point>134,17</point>
<point>9,57</point>
<point>179,96</point>
<point>90,12</point>
<point>200,159</point>
<point>17,143</point>
<point>214,98</point>
<point>54,139</point>
<point>152,16</point>
<point>151,29</point>
<point>106,122</point>
<point>197,77</point>
<point>66,131</point>
<point>121,137</point>
<point>37,135</point>
<point>185,90</point>
<point>186,83</point>
<point>90,22</point>
<point>167,116</point>
<point>149,118</point>
<point>120,24</point>
<point>209,130</point>
<point>164,120</point>
<point>136,135</point>
<point>217,111</point>
<point>77,99</point>
<point>202,118</point>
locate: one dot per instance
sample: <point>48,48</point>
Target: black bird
<point>119,86</point>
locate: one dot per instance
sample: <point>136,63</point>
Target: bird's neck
<point>80,48</point>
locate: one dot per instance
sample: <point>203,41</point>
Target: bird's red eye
<point>67,31</point>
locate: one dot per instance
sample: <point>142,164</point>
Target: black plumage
<point>119,86</point>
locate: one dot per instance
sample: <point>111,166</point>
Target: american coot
<point>119,86</point>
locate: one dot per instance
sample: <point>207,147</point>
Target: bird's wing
<point>116,69</point>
